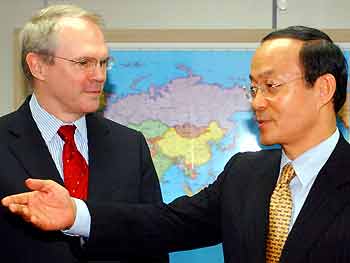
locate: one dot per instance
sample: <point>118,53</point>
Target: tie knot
<point>66,132</point>
<point>287,174</point>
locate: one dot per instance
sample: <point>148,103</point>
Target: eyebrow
<point>89,57</point>
<point>266,73</point>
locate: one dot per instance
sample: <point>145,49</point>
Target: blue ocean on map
<point>136,71</point>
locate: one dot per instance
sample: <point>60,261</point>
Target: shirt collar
<point>48,124</point>
<point>308,165</point>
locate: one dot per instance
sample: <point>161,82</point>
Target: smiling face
<point>66,90</point>
<point>291,117</point>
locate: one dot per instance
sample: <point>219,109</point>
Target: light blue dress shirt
<point>306,167</point>
<point>48,126</point>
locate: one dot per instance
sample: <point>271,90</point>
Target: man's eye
<point>104,62</point>
<point>253,90</point>
<point>271,87</point>
<point>83,63</point>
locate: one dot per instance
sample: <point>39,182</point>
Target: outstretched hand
<point>48,205</point>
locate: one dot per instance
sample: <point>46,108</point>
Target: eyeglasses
<point>89,64</point>
<point>268,91</point>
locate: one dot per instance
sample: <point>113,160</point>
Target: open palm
<point>48,206</point>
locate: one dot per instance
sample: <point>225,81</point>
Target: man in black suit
<point>65,58</point>
<point>260,210</point>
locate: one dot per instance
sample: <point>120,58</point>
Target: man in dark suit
<point>288,205</point>
<point>65,59</point>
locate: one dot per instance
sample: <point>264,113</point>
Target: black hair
<point>319,56</point>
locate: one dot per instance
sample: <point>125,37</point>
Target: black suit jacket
<point>234,211</point>
<point>120,170</point>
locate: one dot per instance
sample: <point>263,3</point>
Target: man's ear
<point>37,65</point>
<point>326,85</point>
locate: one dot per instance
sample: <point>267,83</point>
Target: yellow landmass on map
<point>194,151</point>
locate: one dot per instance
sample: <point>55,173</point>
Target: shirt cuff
<point>82,223</point>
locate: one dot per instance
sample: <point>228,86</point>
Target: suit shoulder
<point>6,120</point>
<point>254,157</point>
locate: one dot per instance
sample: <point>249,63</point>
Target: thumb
<point>36,184</point>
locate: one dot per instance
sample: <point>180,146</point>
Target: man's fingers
<point>22,199</point>
<point>19,199</point>
<point>23,211</point>
<point>19,209</point>
<point>43,205</point>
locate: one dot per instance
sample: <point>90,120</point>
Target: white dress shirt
<point>48,126</point>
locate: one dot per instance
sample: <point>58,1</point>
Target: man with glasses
<point>56,135</point>
<point>280,205</point>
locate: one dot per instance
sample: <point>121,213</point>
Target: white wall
<point>181,13</point>
<point>144,14</point>
<point>13,14</point>
<point>316,13</point>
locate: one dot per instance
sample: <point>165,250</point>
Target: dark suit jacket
<point>121,170</point>
<point>234,211</point>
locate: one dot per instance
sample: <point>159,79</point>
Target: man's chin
<point>91,107</point>
<point>266,141</point>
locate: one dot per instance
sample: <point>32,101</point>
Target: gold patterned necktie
<point>280,215</point>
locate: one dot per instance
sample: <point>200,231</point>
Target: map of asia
<point>191,107</point>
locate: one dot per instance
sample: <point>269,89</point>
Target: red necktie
<point>75,168</point>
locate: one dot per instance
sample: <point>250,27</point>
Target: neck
<point>312,139</point>
<point>293,153</point>
<point>54,109</point>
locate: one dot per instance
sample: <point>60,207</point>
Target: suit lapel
<point>29,147</point>
<point>260,193</point>
<point>99,150</point>
<point>31,151</point>
<point>326,198</point>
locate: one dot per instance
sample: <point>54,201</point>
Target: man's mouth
<point>262,122</point>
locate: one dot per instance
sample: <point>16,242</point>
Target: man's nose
<point>259,102</point>
<point>100,73</point>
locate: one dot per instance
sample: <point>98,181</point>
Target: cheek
<point>77,84</point>
<point>67,81</point>
<point>280,108</point>
<point>296,113</point>
<point>289,105</point>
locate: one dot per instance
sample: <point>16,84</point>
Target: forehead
<point>277,57</point>
<point>79,37</point>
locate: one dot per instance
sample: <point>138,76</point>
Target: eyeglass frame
<point>108,62</point>
<point>250,89</point>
